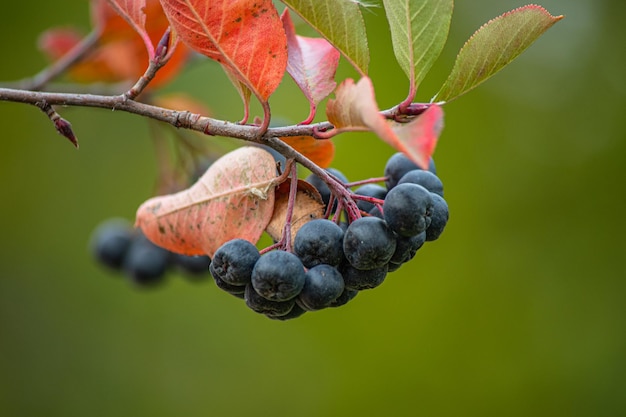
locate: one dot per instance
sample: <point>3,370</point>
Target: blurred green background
<point>518,310</point>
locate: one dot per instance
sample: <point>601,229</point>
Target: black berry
<point>264,306</point>
<point>278,276</point>
<point>233,262</point>
<point>439,218</point>
<point>398,165</point>
<point>357,279</point>
<point>369,190</point>
<point>319,241</point>
<point>407,209</point>
<point>426,179</point>
<point>322,285</point>
<point>110,242</point>
<point>368,243</point>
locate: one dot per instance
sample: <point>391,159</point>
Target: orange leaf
<point>246,36</point>
<point>320,151</point>
<point>233,199</point>
<point>355,108</point>
<point>121,54</point>
<point>312,64</point>
<point>134,12</point>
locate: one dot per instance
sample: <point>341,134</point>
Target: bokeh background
<point>518,310</point>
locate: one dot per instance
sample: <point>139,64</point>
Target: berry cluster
<point>332,261</point>
<point>329,262</point>
<point>120,247</point>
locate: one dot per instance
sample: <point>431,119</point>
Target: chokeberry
<point>278,276</point>
<point>369,190</point>
<point>398,165</point>
<point>321,186</point>
<point>233,261</point>
<point>406,247</point>
<point>146,263</point>
<point>323,284</point>
<point>111,240</point>
<point>426,179</point>
<point>439,218</point>
<point>319,241</point>
<point>407,209</point>
<point>368,243</point>
<point>357,279</point>
<point>264,306</point>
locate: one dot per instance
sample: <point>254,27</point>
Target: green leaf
<point>493,46</point>
<point>419,29</point>
<point>341,23</point>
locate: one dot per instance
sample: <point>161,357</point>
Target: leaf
<point>233,199</point>
<point>418,138</point>
<point>134,12</point>
<point>120,55</point>
<point>320,151</point>
<point>355,108</point>
<point>419,29</point>
<point>493,46</point>
<point>312,64</point>
<point>246,36</point>
<point>341,22</point>
<point>308,206</point>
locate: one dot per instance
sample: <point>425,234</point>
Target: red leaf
<point>246,35</point>
<point>134,12</point>
<point>320,151</point>
<point>312,64</point>
<point>418,138</point>
<point>355,108</point>
<point>233,199</point>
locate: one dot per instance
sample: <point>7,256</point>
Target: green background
<point>517,310</point>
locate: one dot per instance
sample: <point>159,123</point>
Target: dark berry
<point>322,285</point>
<point>439,218</point>
<point>407,209</point>
<point>146,263</point>
<point>357,279</point>
<point>110,242</point>
<point>264,306</point>
<point>347,295</point>
<point>319,241</point>
<point>236,290</point>
<point>406,247</point>
<point>368,243</point>
<point>321,186</point>
<point>369,190</point>
<point>426,179</point>
<point>295,312</point>
<point>192,266</point>
<point>278,276</point>
<point>392,266</point>
<point>233,262</point>
<point>398,165</point>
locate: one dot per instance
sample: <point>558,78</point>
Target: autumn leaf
<point>419,29</point>
<point>312,64</point>
<point>354,108</point>
<point>308,206</point>
<point>233,199</point>
<point>418,138</point>
<point>320,151</point>
<point>121,54</point>
<point>493,46</point>
<point>341,23</point>
<point>246,36</point>
<point>134,12</point>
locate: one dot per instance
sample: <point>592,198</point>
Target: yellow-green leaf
<point>493,46</point>
<point>419,29</point>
